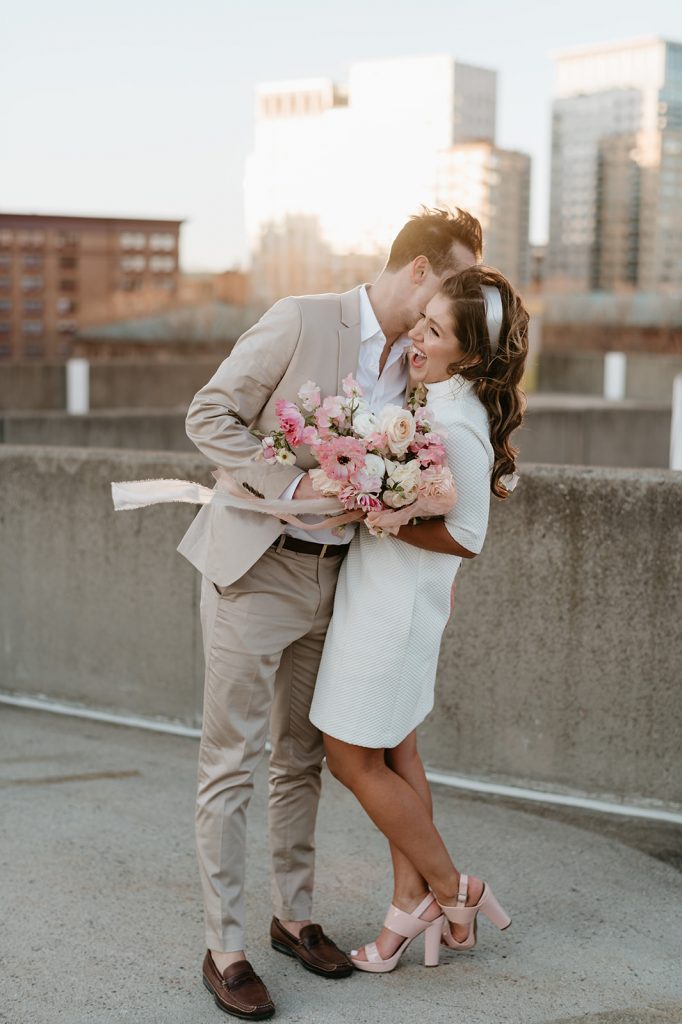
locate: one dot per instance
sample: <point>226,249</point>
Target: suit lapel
<point>349,336</point>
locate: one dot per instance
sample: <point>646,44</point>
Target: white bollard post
<point>77,386</point>
<point>676,425</point>
<point>614,375</point>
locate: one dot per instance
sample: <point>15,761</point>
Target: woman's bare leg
<point>399,811</point>
<point>409,888</point>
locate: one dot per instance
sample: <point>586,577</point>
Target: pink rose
<point>437,492</point>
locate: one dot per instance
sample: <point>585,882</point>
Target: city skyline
<point>154,117</point>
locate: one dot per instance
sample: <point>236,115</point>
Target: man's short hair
<point>432,233</point>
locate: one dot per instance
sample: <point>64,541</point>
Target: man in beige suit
<point>268,591</point>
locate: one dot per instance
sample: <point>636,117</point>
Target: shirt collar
<point>369,325</point>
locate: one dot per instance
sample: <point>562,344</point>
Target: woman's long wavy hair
<point>496,377</point>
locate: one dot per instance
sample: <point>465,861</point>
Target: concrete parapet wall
<point>560,668</point>
<point>557,429</point>
<point>648,376</point>
<point>113,385</point>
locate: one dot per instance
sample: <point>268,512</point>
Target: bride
<point>393,600</point>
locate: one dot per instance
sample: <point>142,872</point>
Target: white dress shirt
<point>379,390</point>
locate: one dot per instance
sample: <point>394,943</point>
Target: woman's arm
<point>462,531</point>
<point>433,535</point>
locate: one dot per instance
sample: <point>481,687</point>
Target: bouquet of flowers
<point>390,466</point>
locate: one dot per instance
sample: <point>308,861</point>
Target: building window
<point>163,242</point>
<point>165,282</point>
<point>5,349</point>
<point>164,263</point>
<point>130,284</point>
<point>33,350</point>
<point>32,327</point>
<point>5,328</point>
<point>5,305</point>
<point>67,285</point>
<point>6,239</point>
<point>33,305</point>
<point>31,283</point>
<point>4,281</point>
<point>5,260</point>
<point>66,238</point>
<point>33,262</point>
<point>31,239</point>
<point>132,240</point>
<point>67,326</point>
<point>135,263</point>
<point>67,262</point>
<point>65,305</point>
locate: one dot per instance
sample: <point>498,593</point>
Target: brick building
<point>60,273</point>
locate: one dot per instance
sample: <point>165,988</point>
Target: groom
<point>268,591</point>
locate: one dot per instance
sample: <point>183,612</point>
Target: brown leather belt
<point>306,547</point>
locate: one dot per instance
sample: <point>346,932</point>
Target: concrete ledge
<point>567,429</point>
<point>560,668</point>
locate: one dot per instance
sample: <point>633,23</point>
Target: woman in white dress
<point>393,600</point>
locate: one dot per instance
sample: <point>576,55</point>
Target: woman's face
<point>434,344</point>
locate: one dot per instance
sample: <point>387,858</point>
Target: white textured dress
<point>378,670</point>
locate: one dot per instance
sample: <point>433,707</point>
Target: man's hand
<point>305,490</point>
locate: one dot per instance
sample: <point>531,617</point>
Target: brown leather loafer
<point>238,990</point>
<point>314,950</point>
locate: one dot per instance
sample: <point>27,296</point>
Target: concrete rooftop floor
<point>101,914</point>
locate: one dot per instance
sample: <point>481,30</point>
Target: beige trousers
<point>263,638</point>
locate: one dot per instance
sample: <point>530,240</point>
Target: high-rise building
<point>60,273</point>
<point>615,209</point>
<point>494,185</point>
<point>335,172</point>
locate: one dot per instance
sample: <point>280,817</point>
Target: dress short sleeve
<point>469,462</point>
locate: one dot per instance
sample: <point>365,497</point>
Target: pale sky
<point>146,108</point>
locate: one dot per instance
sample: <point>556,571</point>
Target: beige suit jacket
<point>310,337</point>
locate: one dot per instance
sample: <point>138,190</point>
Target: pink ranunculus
<point>290,420</point>
<point>269,453</point>
<point>341,457</point>
<point>437,492</point>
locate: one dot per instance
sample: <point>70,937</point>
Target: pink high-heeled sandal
<point>461,914</point>
<point>409,926</point>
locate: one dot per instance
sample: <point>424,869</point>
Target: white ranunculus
<point>375,466</point>
<point>399,426</point>
<point>364,421</point>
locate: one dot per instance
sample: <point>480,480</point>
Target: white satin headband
<point>493,314</point>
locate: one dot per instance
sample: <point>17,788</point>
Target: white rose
<point>405,476</point>
<point>399,426</point>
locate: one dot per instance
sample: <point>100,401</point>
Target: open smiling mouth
<point>417,358</point>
